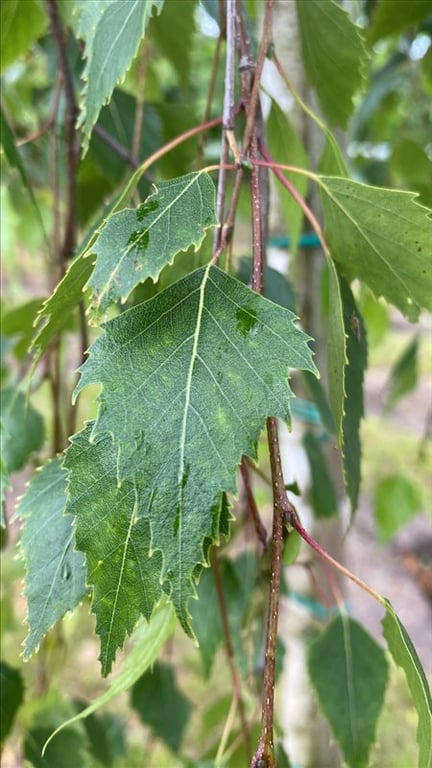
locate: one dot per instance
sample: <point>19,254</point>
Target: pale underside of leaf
<point>188,379</point>
<point>137,244</point>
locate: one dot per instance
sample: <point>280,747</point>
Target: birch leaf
<point>112,31</point>
<point>124,579</point>
<point>348,670</point>
<point>136,244</point>
<point>188,379</point>
<point>383,238</point>
<point>56,584</point>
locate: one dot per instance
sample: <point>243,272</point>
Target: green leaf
<point>403,376</point>
<point>286,146</point>
<point>115,540</point>
<point>276,286</point>
<point>117,120</point>
<point>348,670</point>
<point>56,584</point>
<point>112,32</point>
<point>336,347</point>
<point>147,641</point>
<point>188,379</point>
<point>23,429</point>
<point>319,397</point>
<point>356,347</point>
<point>392,18</point>
<point>58,309</point>
<point>173,32</point>
<point>292,546</point>
<point>207,624</point>
<point>19,323</point>
<point>136,244</point>
<point>405,656</point>
<point>67,750</point>
<point>161,705</point>
<point>375,316</point>
<point>334,56</point>
<point>383,238</point>
<point>322,492</point>
<point>396,500</point>
<point>20,24</point>
<point>11,697</point>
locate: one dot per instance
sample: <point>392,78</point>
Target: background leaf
<point>20,24</point>
<point>173,32</point>
<point>147,641</point>
<point>23,429</point>
<point>161,705</point>
<point>203,352</point>
<point>356,347</point>
<point>390,18</point>
<point>405,656</point>
<point>286,146</point>
<point>391,233</point>
<point>322,493</point>
<point>348,670</point>
<point>396,500</point>
<point>136,244</point>
<point>112,33</point>
<point>334,56</point>
<point>125,579</point>
<point>11,697</point>
<point>56,584</point>
<point>403,376</point>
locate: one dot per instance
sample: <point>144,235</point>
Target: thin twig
<point>115,145</point>
<point>210,96</point>
<point>292,518</point>
<point>254,94</point>
<point>229,650</point>
<point>252,507</point>
<point>276,168</point>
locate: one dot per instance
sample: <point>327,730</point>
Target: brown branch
<point>264,756</point>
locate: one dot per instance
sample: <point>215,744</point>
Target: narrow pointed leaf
<point>124,578</point>
<point>348,670</point>
<point>383,238</point>
<point>334,56</point>
<point>322,493</point>
<point>112,32</point>
<point>405,656</point>
<point>136,244</point>
<point>188,379</point>
<point>147,641</point>
<point>356,346</point>
<point>58,309</point>
<point>56,584</point>
<point>336,348</point>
